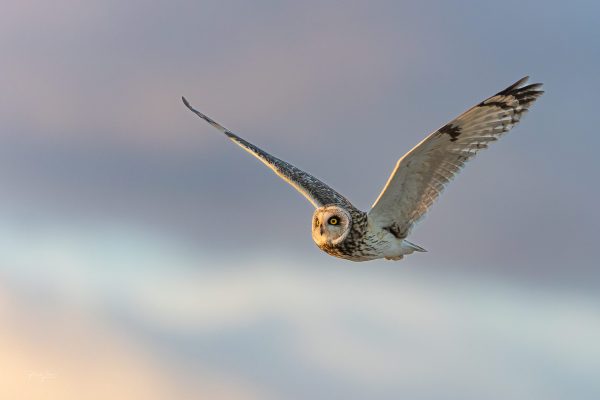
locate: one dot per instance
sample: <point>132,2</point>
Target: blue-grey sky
<point>102,165</point>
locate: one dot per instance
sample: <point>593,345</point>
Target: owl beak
<point>321,229</point>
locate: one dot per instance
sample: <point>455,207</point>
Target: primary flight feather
<point>340,229</point>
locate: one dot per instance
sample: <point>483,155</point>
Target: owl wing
<point>421,174</point>
<point>317,192</point>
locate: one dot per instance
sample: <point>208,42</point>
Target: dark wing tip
<point>525,95</point>
<point>518,90</point>
<point>187,103</point>
<point>518,83</point>
<point>514,86</point>
<point>198,113</point>
<point>207,119</point>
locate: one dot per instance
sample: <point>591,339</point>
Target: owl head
<point>330,225</point>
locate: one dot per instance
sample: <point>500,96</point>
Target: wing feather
<point>317,192</point>
<point>421,175</point>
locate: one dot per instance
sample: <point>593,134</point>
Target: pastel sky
<point>134,235</point>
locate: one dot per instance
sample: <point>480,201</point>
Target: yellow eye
<point>333,221</point>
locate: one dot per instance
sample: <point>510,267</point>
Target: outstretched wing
<point>421,175</point>
<point>318,193</point>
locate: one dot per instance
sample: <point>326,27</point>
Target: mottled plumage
<point>341,230</point>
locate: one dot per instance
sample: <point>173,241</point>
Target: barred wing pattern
<point>317,192</point>
<point>421,175</point>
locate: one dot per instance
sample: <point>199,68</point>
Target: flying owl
<point>342,230</point>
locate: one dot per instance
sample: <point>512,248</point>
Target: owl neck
<point>358,226</point>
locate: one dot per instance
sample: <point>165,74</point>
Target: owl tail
<point>412,247</point>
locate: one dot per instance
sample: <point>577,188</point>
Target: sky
<point>142,255</point>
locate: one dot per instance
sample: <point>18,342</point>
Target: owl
<point>342,230</point>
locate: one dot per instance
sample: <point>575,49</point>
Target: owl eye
<point>333,221</point>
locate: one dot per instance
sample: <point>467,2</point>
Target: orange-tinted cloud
<point>68,353</point>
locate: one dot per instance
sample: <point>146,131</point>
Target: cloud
<point>97,75</point>
<point>51,351</point>
<point>93,128</point>
<point>287,329</point>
